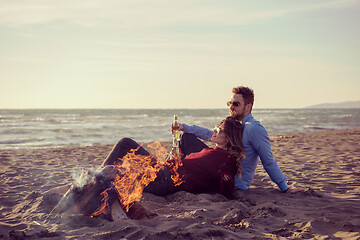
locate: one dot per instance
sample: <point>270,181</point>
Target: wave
<point>20,141</point>
<point>342,116</point>
<point>312,127</point>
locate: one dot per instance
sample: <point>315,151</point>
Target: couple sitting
<point>240,142</point>
<point>210,170</point>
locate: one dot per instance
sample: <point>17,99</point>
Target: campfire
<point>122,184</point>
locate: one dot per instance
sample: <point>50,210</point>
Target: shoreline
<point>327,163</point>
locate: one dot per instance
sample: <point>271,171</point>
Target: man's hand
<point>179,126</point>
<point>295,190</point>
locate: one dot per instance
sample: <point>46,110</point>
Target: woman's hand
<point>226,177</point>
<point>173,153</point>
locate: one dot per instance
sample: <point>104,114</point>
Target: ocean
<point>48,128</point>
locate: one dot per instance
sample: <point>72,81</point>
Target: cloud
<point>151,13</point>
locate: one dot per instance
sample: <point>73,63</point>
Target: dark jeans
<point>162,185</point>
<point>120,149</point>
<point>189,143</point>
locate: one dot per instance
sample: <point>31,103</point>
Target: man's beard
<point>238,115</point>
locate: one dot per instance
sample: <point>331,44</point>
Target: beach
<point>325,163</point>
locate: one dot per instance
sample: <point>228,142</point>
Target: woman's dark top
<point>205,171</point>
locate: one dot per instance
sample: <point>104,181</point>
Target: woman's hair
<point>233,131</point>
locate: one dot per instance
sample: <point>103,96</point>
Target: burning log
<point>86,199</point>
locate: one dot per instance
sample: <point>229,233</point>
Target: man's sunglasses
<point>235,104</point>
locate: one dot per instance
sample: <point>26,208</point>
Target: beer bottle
<point>176,137</point>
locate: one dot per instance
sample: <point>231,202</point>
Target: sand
<point>326,163</point>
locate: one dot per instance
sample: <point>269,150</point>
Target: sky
<point>177,54</point>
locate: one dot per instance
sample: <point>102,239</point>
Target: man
<point>255,141</point>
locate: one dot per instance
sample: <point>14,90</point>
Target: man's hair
<point>247,94</point>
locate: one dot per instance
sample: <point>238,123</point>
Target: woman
<point>211,170</point>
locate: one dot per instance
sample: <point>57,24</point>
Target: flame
<point>136,172</point>
<point>173,165</point>
<point>104,203</point>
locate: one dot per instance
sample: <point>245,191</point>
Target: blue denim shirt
<point>256,143</point>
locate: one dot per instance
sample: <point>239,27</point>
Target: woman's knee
<point>186,137</point>
<point>189,143</point>
<point>125,140</point>
<point>127,143</point>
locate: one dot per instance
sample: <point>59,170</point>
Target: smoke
<point>83,177</point>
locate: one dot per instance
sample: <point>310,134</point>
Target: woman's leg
<point>162,185</point>
<point>120,149</point>
<point>189,143</point>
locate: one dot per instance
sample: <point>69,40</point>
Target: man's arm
<point>261,143</point>
<point>200,132</point>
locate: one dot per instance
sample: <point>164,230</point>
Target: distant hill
<point>350,104</point>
